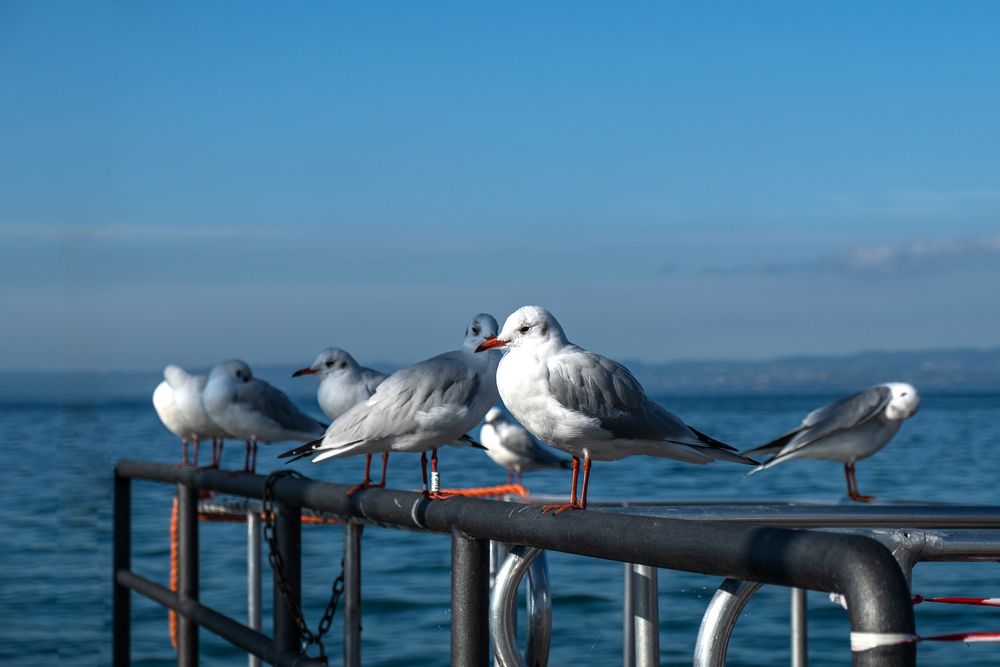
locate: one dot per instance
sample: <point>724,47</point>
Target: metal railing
<point>855,566</point>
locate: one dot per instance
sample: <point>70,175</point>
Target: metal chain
<point>307,636</point>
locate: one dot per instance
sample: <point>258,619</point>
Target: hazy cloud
<point>914,256</point>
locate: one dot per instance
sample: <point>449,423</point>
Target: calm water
<point>55,564</point>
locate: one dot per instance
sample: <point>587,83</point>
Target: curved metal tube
<point>539,609</point>
<point>719,621</point>
<point>503,609</point>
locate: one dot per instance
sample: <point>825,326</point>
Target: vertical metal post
<point>122,560</point>
<point>646,617</point>
<point>352,594</point>
<point>628,627</point>
<point>470,600</point>
<point>800,643</point>
<point>187,568</point>
<point>288,535</point>
<point>253,578</point>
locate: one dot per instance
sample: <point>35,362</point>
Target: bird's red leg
<point>435,492</point>
<point>586,481</point>
<point>510,476</point>
<point>367,481</point>
<point>520,475</point>
<point>573,502</point>
<point>385,464</point>
<point>184,440</point>
<point>423,470</point>
<point>253,460</point>
<point>852,485</point>
<point>218,462</point>
<point>197,442</point>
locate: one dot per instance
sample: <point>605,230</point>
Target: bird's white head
<point>174,374</point>
<point>482,328</point>
<point>528,326</point>
<point>905,401</point>
<point>235,369</point>
<point>331,361</point>
<point>493,415</point>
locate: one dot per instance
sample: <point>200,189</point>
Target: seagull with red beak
<point>587,405</point>
<point>419,408</point>
<point>343,383</point>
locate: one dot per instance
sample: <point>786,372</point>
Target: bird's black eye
<point>525,329</point>
<point>343,364</point>
<point>330,363</point>
<point>903,394</point>
<point>475,331</point>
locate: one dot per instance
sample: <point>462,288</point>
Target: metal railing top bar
<point>828,516</point>
<point>859,568</point>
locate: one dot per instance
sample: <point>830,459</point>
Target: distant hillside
<point>955,370</point>
<point>943,370</point>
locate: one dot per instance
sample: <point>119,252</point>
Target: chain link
<point>307,636</point>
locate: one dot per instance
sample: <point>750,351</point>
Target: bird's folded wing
<point>273,404</point>
<point>823,422</point>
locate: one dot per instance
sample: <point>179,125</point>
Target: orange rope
<point>172,615</point>
<point>483,491</point>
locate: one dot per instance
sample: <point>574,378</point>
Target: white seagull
<point>586,404</point>
<point>510,445</point>
<point>187,391</point>
<point>253,410</point>
<point>418,408</point>
<point>170,415</point>
<point>846,430</point>
<point>343,384</point>
<point>343,381</point>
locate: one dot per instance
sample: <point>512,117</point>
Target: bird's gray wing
<point>274,404</point>
<point>403,400</point>
<point>371,379</point>
<point>605,390</point>
<point>823,422</point>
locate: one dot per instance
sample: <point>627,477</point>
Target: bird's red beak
<point>491,343</point>
<point>304,371</point>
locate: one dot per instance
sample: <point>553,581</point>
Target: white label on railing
<point>863,641</point>
<point>435,481</point>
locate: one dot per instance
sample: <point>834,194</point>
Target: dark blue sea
<point>55,564</point>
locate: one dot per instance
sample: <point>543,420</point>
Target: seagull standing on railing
<point>586,404</point>
<point>188,389</point>
<point>847,430</point>
<point>510,445</point>
<point>253,410</point>
<point>418,408</point>
<point>343,384</point>
<point>170,415</point>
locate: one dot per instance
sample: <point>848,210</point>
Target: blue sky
<point>192,181</point>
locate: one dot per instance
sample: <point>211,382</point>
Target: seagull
<point>170,415</point>
<point>343,381</point>
<point>847,430</point>
<point>418,408</point>
<point>510,445</point>
<point>187,392</point>
<point>586,404</point>
<point>343,384</point>
<point>253,410</point>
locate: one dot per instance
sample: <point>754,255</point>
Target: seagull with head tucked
<point>847,430</point>
<point>253,410</point>
<point>188,389</point>
<point>587,405</point>
<point>418,408</point>
<point>510,445</point>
